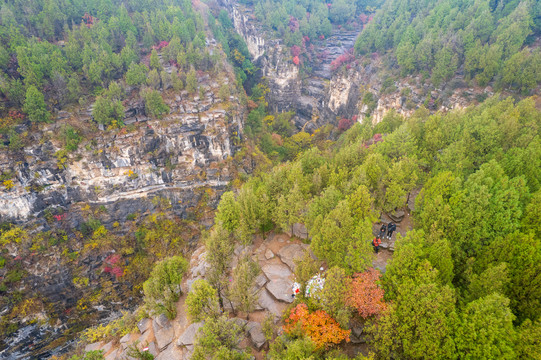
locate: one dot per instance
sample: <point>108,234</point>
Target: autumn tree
<point>162,289</point>
<point>319,326</point>
<point>365,295</point>
<point>202,301</point>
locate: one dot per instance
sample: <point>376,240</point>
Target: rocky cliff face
<point>116,173</point>
<point>324,96</point>
<point>290,90</point>
<point>122,169</point>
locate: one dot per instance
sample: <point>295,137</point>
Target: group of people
<point>386,231</point>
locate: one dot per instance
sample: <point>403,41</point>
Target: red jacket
<point>376,242</point>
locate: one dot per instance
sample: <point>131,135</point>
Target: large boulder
<point>188,337</point>
<point>165,336</point>
<point>267,302</point>
<point>281,289</point>
<point>255,332</point>
<point>276,271</point>
<point>300,231</point>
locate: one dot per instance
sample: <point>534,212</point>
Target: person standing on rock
<point>382,231</point>
<point>390,229</point>
<point>376,243</point>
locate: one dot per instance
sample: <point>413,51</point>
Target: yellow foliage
<point>13,235</point>
<point>8,184</point>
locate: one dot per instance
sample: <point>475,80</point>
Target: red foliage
<point>305,39</point>
<point>88,19</point>
<point>354,118</point>
<point>293,24</point>
<point>16,115</point>
<point>344,124</point>
<point>295,50</point>
<point>117,271</point>
<point>377,138</point>
<point>112,259</point>
<point>161,45</point>
<point>365,295</point>
<point>60,217</point>
<point>296,60</point>
<point>277,139</point>
<point>343,59</point>
<point>110,268</point>
<point>364,18</point>
<point>319,326</point>
<point>321,37</point>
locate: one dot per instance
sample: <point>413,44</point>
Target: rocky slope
<point>323,96</point>
<point>122,170</point>
<point>114,174</point>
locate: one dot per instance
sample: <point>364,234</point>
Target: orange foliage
<point>365,295</point>
<point>319,326</point>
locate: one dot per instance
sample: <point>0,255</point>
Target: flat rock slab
<point>281,289</point>
<point>188,337</point>
<point>160,322</point>
<point>260,281</point>
<point>93,347</point>
<point>164,336</point>
<point>144,339</point>
<point>269,254</point>
<point>267,302</point>
<point>276,271</point>
<point>152,348</point>
<point>113,355</point>
<point>172,352</point>
<point>107,347</point>
<point>144,325</point>
<point>289,253</point>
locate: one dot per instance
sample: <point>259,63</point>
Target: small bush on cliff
<point>162,289</point>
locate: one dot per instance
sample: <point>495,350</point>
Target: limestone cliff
<point>120,169</point>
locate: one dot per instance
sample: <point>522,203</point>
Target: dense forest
<point>55,53</point>
<point>463,282</point>
<point>483,40</point>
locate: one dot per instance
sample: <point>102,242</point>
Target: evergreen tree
<point>34,105</point>
<point>162,289</point>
